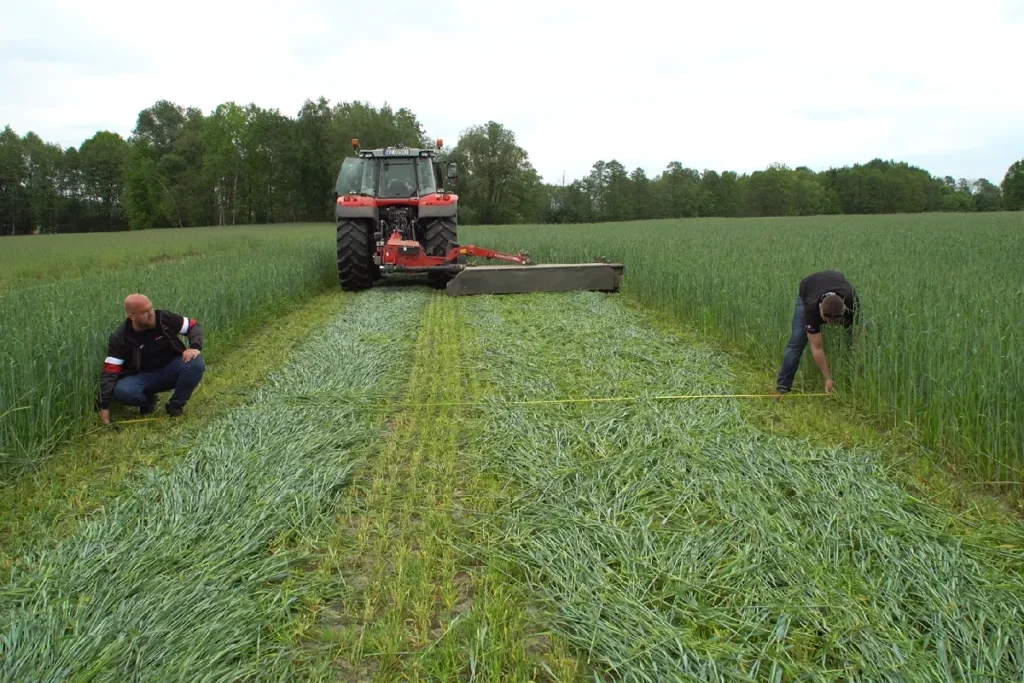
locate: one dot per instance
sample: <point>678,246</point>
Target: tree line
<point>246,164</point>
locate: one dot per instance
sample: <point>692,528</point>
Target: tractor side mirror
<point>453,172</point>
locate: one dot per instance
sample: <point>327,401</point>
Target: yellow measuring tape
<point>614,399</point>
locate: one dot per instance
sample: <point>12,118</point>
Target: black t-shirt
<point>156,348</point>
<point>815,287</point>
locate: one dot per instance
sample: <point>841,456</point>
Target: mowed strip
<point>670,540</point>
<point>416,606</point>
<point>196,575</point>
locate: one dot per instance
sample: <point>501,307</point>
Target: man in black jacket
<point>145,356</point>
<point>824,298</point>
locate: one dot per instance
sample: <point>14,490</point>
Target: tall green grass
<point>943,354</point>
<point>53,336</point>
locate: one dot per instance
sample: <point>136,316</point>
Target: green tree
<point>679,188</point>
<point>882,187</point>
<point>986,195</point>
<point>158,127</point>
<point>192,190</point>
<point>496,179</point>
<point>619,196</point>
<point>222,135</point>
<point>75,214</point>
<point>266,166</point>
<point>13,171</point>
<point>643,194</point>
<point>772,192</point>
<point>597,188</point>
<point>710,183</point>
<point>101,165</point>
<point>317,166</point>
<point>1013,187</point>
<point>566,203</point>
<point>728,196</point>
<point>165,184</point>
<point>42,163</point>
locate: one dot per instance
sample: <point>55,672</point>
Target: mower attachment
<point>554,277</point>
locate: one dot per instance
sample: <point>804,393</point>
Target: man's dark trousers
<point>182,377</point>
<point>794,349</point>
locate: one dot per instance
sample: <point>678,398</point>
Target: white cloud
<point>734,86</point>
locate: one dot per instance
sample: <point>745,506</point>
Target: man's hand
<point>818,351</point>
<point>189,354</point>
<point>105,416</point>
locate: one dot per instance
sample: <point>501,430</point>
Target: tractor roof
<point>396,151</point>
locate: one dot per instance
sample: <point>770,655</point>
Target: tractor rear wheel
<point>356,268</point>
<point>440,235</point>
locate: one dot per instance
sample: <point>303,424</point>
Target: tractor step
<point>545,277</point>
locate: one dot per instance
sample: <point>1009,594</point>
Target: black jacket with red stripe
<point>124,357</point>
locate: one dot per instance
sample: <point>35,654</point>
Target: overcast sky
<point>737,86</point>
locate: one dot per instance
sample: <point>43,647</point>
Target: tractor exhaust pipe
<point>554,277</point>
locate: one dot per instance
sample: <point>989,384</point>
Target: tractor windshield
<point>356,175</point>
<point>397,178</point>
<point>425,172</point>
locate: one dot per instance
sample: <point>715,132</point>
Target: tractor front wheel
<point>356,268</point>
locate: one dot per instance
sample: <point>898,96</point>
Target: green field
<point>43,259</point>
<point>385,503</point>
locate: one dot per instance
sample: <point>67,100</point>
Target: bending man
<point>824,298</point>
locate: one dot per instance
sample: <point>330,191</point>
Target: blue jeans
<point>794,349</point>
<point>182,377</point>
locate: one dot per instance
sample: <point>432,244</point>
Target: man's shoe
<point>150,405</point>
<point>174,411</point>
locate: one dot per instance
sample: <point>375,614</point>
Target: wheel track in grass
<point>416,607</point>
<point>202,572</point>
<point>674,541</point>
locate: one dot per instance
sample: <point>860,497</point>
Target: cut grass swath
<point>672,541</point>
<point>194,577</point>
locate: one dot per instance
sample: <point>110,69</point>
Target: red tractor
<point>394,215</point>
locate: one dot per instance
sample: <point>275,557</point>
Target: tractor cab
<point>392,173</point>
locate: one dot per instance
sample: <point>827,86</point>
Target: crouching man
<point>145,357</point>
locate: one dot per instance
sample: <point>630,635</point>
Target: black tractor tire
<point>356,268</point>
<point>439,236</point>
